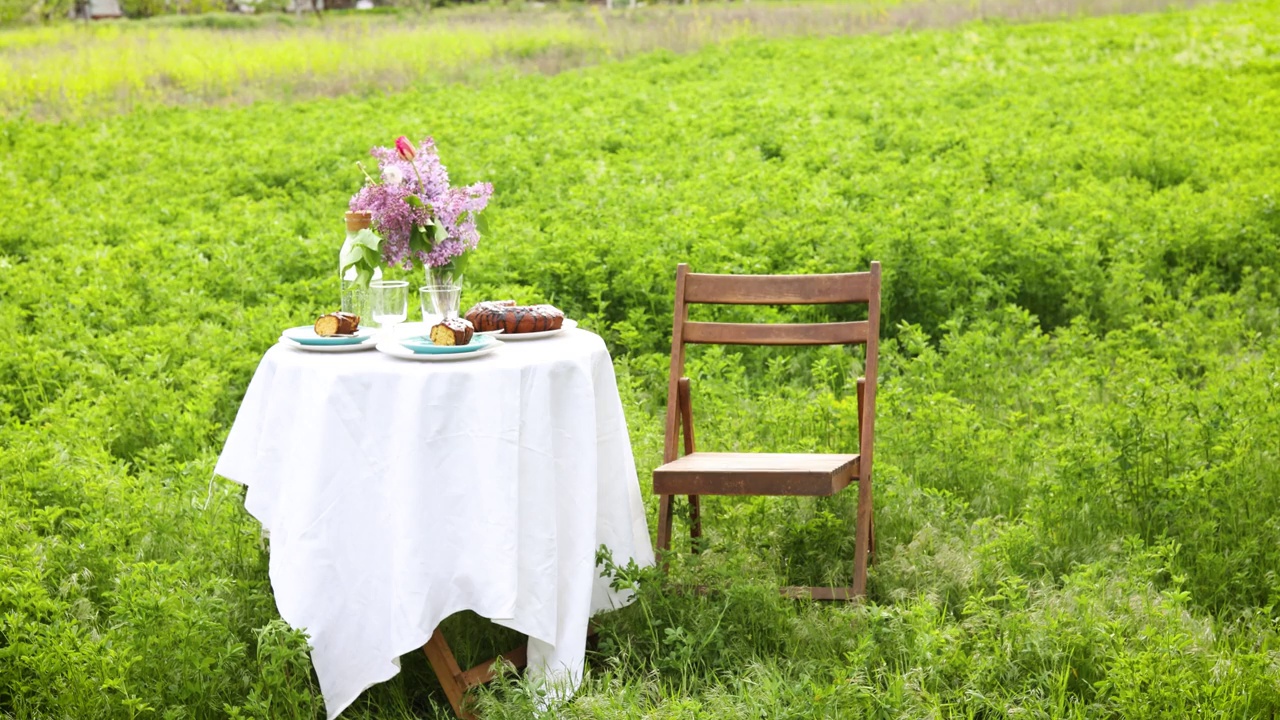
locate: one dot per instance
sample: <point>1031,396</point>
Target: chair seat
<point>709,473</point>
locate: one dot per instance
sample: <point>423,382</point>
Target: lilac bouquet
<point>418,216</point>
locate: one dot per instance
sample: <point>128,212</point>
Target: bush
<point>11,11</point>
<point>143,8</point>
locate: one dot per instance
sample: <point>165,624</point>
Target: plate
<point>567,325</point>
<point>367,344</point>
<point>408,329</point>
<point>422,345</point>
<point>395,349</point>
<point>306,335</point>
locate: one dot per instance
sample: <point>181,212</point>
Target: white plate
<point>393,348</point>
<point>567,325</point>
<point>410,329</point>
<point>366,345</point>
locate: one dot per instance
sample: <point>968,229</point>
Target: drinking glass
<point>390,302</point>
<point>429,315</point>
<point>442,300</point>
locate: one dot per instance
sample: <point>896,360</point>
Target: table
<point>396,493</point>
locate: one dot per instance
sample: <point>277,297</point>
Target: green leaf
<point>459,263</point>
<point>439,232</point>
<point>414,201</point>
<point>418,241</point>
<point>350,255</point>
<point>364,253</point>
<point>367,238</point>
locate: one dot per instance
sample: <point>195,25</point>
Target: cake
<point>339,323</point>
<point>453,331</point>
<point>510,318</point>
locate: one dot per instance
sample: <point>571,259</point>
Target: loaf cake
<point>510,318</point>
<point>339,323</point>
<point>453,331</point>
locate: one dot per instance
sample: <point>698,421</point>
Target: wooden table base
<point>455,680</point>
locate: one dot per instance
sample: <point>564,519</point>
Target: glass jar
<point>355,297</point>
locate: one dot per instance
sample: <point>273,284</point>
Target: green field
<point>1078,449</point>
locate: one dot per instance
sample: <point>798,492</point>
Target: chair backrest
<point>841,288</point>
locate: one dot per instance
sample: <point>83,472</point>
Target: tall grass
<point>72,71</point>
<point>72,67</point>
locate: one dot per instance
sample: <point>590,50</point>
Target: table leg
<point>446,669</point>
<point>454,680</point>
<point>457,682</point>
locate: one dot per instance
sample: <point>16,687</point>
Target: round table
<point>398,492</point>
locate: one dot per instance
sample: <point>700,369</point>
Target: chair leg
<point>862,538</point>
<point>871,546</point>
<point>695,522</point>
<point>665,511</point>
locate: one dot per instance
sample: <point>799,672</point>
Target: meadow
<point>73,71</point>
<point>1078,450</point>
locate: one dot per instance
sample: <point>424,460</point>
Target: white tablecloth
<point>397,493</point>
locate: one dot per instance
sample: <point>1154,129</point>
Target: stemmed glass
<point>389,300</point>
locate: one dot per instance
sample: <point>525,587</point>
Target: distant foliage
<point>1077,496</point>
<point>143,8</point>
<point>11,11</point>
<point>180,59</point>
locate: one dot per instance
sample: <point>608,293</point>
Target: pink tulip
<point>405,149</point>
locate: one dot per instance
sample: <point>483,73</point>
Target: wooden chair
<point>706,473</point>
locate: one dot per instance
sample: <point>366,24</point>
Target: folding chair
<point>708,473</point>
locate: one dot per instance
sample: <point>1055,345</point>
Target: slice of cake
<point>454,331</point>
<point>339,323</point>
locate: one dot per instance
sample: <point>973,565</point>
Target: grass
<point>1076,477</point>
<point>71,71</point>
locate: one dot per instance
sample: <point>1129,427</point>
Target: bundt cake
<point>510,318</point>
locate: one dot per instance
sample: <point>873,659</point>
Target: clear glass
<point>441,300</point>
<point>354,298</point>
<point>443,290</point>
<point>429,315</point>
<point>389,300</point>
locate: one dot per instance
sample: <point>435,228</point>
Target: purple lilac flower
<point>394,218</point>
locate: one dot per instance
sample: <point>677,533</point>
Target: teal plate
<point>306,335</point>
<point>422,345</point>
